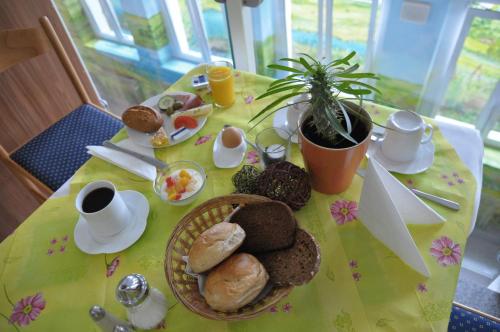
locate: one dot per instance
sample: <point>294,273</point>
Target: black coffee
<point>97,200</point>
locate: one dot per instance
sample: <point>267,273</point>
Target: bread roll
<point>235,283</point>
<point>142,118</point>
<point>214,245</point>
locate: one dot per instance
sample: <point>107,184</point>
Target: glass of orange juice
<point>221,79</point>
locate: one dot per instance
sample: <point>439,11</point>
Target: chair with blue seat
<point>465,319</point>
<point>48,160</point>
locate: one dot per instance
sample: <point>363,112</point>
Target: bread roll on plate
<point>214,245</point>
<point>235,283</point>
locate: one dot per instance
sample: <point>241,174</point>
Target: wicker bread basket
<point>185,287</point>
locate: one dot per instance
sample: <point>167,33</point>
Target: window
<point>198,29</point>
<point>106,19</point>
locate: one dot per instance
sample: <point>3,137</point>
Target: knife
<point>150,160</point>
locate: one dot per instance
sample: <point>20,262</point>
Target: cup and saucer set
<point>110,220</point>
<point>406,146</point>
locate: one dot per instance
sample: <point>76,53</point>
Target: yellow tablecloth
<point>49,285</point>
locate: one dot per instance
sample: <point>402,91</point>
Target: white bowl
<point>175,166</point>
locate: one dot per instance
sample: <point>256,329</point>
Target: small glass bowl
<point>162,175</point>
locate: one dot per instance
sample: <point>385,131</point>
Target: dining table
<point>48,284</point>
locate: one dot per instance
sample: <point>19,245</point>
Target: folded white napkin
<point>126,161</point>
<point>386,206</point>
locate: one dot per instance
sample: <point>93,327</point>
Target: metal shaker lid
<point>122,328</point>
<point>97,313</point>
<point>132,290</point>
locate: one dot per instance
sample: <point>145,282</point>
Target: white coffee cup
<point>404,134</point>
<point>108,221</point>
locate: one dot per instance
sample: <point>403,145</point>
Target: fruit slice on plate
<point>185,121</point>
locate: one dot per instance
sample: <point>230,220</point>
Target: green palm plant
<point>325,83</point>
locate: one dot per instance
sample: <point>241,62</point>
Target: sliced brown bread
<point>293,266</point>
<point>268,226</point>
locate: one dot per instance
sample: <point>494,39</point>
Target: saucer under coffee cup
<point>101,206</point>
<point>404,136</point>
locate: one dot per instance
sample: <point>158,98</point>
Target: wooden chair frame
<point>480,313</point>
<point>22,45</point>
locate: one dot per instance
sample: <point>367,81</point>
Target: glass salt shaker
<point>146,306</point>
<point>105,320</point>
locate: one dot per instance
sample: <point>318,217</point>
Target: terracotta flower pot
<point>332,169</point>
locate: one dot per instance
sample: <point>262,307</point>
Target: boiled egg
<point>231,137</point>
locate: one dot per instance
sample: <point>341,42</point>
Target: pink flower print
<point>50,252</point>
<point>203,139</point>
<point>27,310</point>
<point>111,267</point>
<point>53,241</point>
<point>356,276</point>
<point>62,248</point>
<point>450,183</point>
<point>65,238</point>
<point>446,251</point>
<point>421,287</point>
<point>252,157</point>
<point>353,264</point>
<point>248,99</point>
<point>460,181</point>
<point>273,309</point>
<point>344,211</point>
<point>444,176</point>
<point>287,307</point>
<point>455,174</point>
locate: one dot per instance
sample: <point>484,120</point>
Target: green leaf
<point>274,103</point>
<point>337,126</point>
<point>281,80</point>
<point>316,62</point>
<point>284,68</point>
<point>353,91</point>
<point>363,85</point>
<point>348,70</point>
<point>306,65</point>
<point>357,75</point>
<point>348,57</point>
<point>290,59</point>
<point>274,91</point>
<point>284,83</point>
<point>344,60</point>
<point>346,116</point>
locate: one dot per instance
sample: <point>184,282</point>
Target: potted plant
<point>335,132</point>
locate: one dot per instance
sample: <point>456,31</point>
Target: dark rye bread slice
<point>293,266</point>
<point>268,226</point>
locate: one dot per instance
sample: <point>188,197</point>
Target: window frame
<point>112,21</point>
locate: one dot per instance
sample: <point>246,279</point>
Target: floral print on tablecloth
<point>252,157</point>
<point>452,179</point>
<point>203,139</point>
<point>344,211</point>
<point>446,251</point>
<point>248,99</point>
<point>112,266</point>
<point>57,245</point>
<point>25,310</point>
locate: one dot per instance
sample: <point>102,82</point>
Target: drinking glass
<point>272,145</point>
<point>221,80</point>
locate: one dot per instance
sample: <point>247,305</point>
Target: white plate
<point>144,139</point>
<point>138,205</point>
<point>280,121</point>
<point>228,158</point>
<point>421,163</point>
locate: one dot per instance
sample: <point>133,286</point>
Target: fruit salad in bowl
<point>180,183</point>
